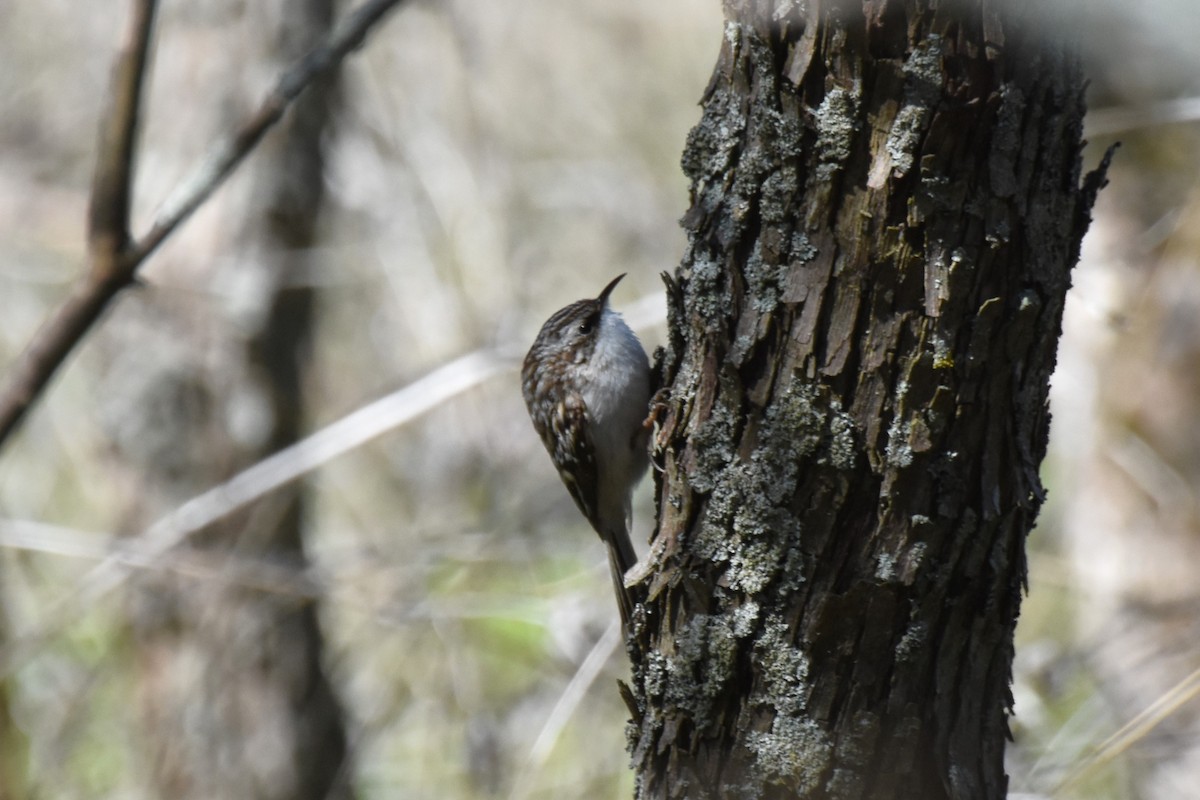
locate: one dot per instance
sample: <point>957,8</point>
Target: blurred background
<point>427,615</point>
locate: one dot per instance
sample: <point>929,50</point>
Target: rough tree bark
<point>235,698</point>
<point>886,205</point>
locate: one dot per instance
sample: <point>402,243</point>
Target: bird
<point>586,384</point>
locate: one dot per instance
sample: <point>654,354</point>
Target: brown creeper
<point>586,382</point>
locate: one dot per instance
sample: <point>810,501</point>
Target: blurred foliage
<point>489,163</point>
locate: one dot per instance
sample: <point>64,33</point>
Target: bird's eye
<point>587,325</point>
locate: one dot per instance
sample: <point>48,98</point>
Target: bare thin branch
<point>114,259</point>
<point>568,701</point>
<point>108,212</point>
<point>336,582</point>
<point>224,157</point>
<point>108,230</point>
<point>1116,120</point>
<point>285,466</point>
<point>240,570</point>
<point>1129,734</point>
<point>301,458</point>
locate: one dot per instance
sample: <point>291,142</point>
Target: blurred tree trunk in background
<point>886,206</point>
<point>14,746</point>
<point>1133,523</point>
<point>235,699</point>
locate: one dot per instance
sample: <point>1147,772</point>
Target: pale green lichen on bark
<point>763,281</point>
<point>795,425</point>
<point>745,617</point>
<point>914,640</point>
<point>747,522</point>
<point>923,87</point>
<point>702,666</point>
<point>885,567</point>
<point>745,528</point>
<point>778,191</point>
<point>802,250</point>
<point>655,676</point>
<point>764,528</point>
<point>837,122</point>
<point>756,560</point>
<point>905,136</point>
<point>784,668</point>
<point>943,355</point>
<point>732,33</point>
<point>712,540</point>
<point>706,298</point>
<point>842,450</point>
<point>904,562</point>
<point>713,446</point>
<point>898,452</point>
<point>795,752</point>
<point>711,144</point>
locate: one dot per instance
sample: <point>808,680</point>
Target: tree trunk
<point>886,206</point>
<point>235,698</point>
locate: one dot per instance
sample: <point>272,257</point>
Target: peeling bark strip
<point>886,205</point>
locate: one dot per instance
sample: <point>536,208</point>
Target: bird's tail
<point>621,558</point>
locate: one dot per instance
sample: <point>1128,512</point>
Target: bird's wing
<point>570,446</point>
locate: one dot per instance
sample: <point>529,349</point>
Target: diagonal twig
<point>568,701</point>
<point>280,469</point>
<point>114,258</point>
<point>337,438</point>
<point>108,209</point>
<point>1133,731</point>
<point>224,157</point>
<point>108,229</point>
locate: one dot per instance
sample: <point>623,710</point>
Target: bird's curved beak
<point>607,290</point>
